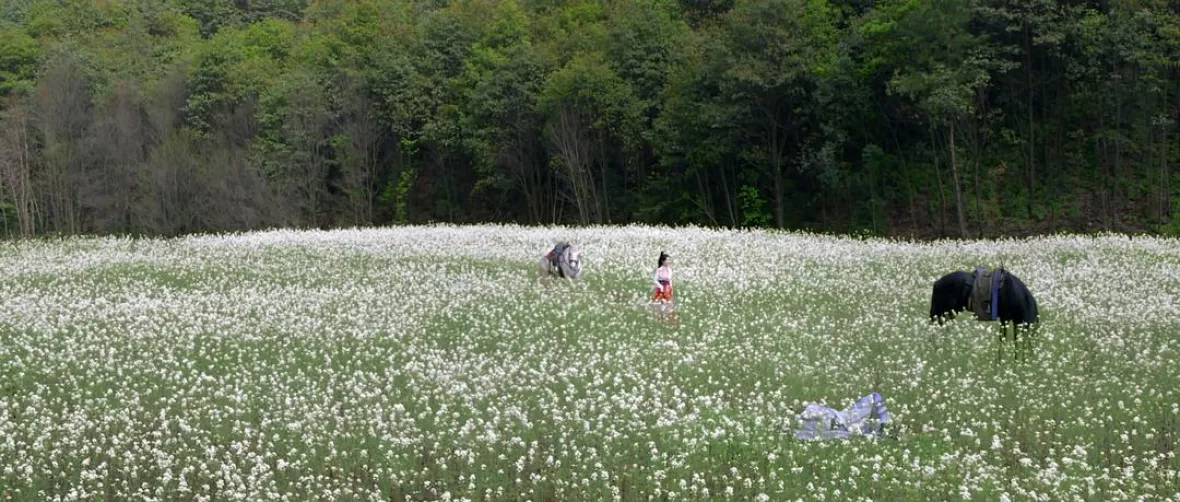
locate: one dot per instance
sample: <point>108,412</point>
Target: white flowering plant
<point>427,363</point>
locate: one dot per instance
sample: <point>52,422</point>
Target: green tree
<point>591,113</point>
<point>945,82</point>
<point>233,68</point>
<point>500,87</point>
<point>770,56</point>
<point>294,146</point>
<point>18,60</point>
<point>696,139</point>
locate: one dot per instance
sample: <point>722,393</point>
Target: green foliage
<point>235,66</point>
<point>590,86</point>
<point>943,82</point>
<point>576,27</point>
<point>497,93</point>
<point>64,18</point>
<point>824,114</point>
<point>18,60</point>
<point>405,184</point>
<point>754,211</point>
<point>213,15</point>
<point>642,45</point>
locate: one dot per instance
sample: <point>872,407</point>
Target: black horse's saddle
<point>985,289</point>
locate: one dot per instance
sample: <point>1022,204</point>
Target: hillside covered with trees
<point>900,117</point>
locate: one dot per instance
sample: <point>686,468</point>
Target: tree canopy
<point>926,118</point>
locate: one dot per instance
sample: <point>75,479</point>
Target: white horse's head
<point>571,262</point>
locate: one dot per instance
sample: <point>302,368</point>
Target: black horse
<point>951,294</point>
<point>1010,303</point>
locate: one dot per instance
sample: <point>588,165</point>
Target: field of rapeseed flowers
<point>427,363</point>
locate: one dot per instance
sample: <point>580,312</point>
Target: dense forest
<point>922,118</point>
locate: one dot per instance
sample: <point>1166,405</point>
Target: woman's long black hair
<point>663,256</point>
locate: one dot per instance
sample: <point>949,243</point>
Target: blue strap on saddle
<point>997,276</point>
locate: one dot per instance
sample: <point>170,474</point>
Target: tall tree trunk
<point>823,209</point>
<point>909,191</point>
<point>941,189</point>
<point>604,164</point>
<point>776,166</point>
<point>1163,174</point>
<point>1101,150</point>
<point>730,207</point>
<point>573,145</point>
<point>448,178</point>
<point>1167,189</point>
<point>958,187</point>
<point>28,199</point>
<point>978,143</point>
<point>1118,160</point>
<point>16,170</point>
<point>1050,147</point>
<point>1163,153</point>
<point>536,177</point>
<point>874,200</point>
<point>779,213</point>
<point>1031,125</point>
<point>979,220</point>
<point>705,200</point>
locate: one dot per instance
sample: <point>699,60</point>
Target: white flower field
<point>426,363</point>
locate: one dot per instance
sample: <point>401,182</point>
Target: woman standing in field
<point>662,290</point>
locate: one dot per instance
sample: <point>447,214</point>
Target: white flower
<point>244,363</point>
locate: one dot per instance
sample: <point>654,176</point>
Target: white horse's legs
<point>543,272</point>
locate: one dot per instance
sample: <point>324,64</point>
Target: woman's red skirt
<point>663,294</point>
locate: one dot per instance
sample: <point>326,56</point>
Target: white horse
<point>562,261</point>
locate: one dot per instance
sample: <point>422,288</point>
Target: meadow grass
<point>427,363</point>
